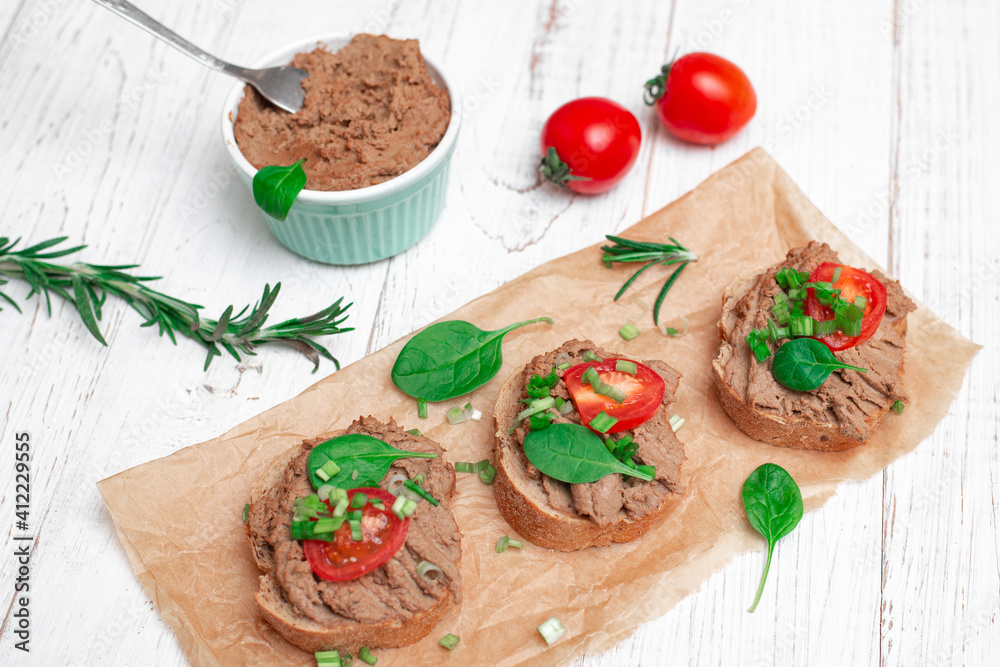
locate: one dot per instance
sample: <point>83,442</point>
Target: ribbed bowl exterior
<point>365,232</point>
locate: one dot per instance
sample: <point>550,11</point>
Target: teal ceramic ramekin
<point>363,225</point>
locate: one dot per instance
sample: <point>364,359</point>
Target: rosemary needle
<point>625,250</point>
<point>87,286</point>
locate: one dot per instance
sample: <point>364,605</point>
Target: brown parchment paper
<point>179,518</point>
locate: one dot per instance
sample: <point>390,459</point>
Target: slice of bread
<point>336,631</point>
<point>523,500</point>
<point>311,636</point>
<point>842,413</point>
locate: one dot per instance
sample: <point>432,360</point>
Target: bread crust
<point>524,506</point>
<point>305,633</point>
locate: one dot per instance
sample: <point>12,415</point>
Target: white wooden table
<point>883,111</point>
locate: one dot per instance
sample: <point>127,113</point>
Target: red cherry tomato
<point>702,98</point>
<point>593,139</point>
<point>852,282</point>
<point>643,393</point>
<point>342,559</point>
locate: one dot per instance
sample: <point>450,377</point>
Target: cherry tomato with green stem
<point>589,145</point>
<point>702,98</point>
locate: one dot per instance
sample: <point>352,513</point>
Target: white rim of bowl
<point>283,56</point>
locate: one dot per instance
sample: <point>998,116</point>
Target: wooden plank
<point>941,581</point>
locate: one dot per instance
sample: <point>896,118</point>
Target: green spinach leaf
<point>275,188</point>
<point>774,507</point>
<point>449,359</point>
<point>803,364</point>
<point>574,454</point>
<point>369,456</point>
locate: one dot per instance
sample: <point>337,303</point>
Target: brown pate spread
<point>849,399</point>
<point>614,496</point>
<point>371,113</point>
<point>393,591</point>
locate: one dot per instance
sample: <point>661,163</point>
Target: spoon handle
<point>132,13</point>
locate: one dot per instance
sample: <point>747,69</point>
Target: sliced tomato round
<point>344,558</point>
<point>643,393</point>
<point>851,283</point>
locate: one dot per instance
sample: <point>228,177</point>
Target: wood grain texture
<point>878,109</point>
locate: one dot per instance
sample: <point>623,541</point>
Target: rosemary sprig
<point>625,250</point>
<point>87,287</point>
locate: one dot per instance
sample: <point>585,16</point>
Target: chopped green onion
<point>377,504</point>
<point>365,656</point>
<point>590,376</point>
<point>340,509</point>
<point>457,415</point>
<point>560,406</point>
<point>354,474</point>
<point>422,408</point>
<point>860,302</point>
<point>463,466</point>
<point>780,310</point>
<point>673,332</point>
<point>536,406</point>
<point>449,641</point>
<point>404,507</point>
<point>420,491</point>
<point>358,501</point>
<point>412,431</point>
<point>602,422</point>
<point>327,470</point>
<point>797,293</point>
<point>305,530</point>
<point>836,274</point>
<point>757,340</point>
<point>898,407</point>
<point>593,378</point>
<point>505,542</point>
<point>849,318</point>
<point>629,331</point>
<point>590,356</point>
<point>326,525</point>
<point>563,366</point>
<point>309,507</point>
<point>539,422</point>
<point>246,512</point>
<point>356,533</point>
<point>648,470</point>
<point>619,446</point>
<point>540,387</point>
<point>824,327</point>
<point>419,478</point>
<point>801,325</point>
<point>327,659</point>
<point>324,491</point>
<point>551,630</point>
<point>787,277</point>
<point>426,566</point>
<point>676,422</point>
<point>623,366</point>
<point>488,474</point>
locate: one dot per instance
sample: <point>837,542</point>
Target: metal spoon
<point>282,86</point>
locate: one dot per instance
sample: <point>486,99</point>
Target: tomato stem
<point>657,86</point>
<point>555,170</point>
